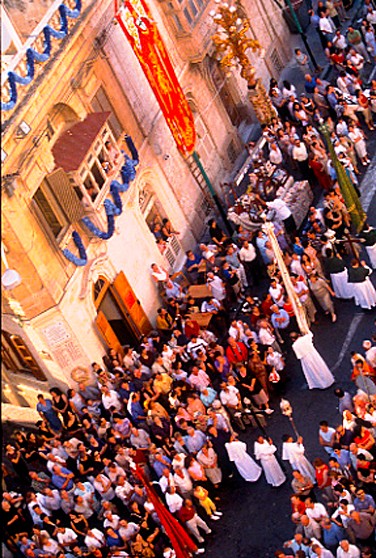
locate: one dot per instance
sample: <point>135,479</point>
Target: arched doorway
<point>120,317</point>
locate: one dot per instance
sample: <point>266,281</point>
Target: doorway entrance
<point>120,318</point>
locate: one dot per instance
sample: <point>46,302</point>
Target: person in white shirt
<point>347,550</point>
<point>267,337</point>
<point>326,26</point>
<point>301,289</point>
<point>296,266</point>
<point>194,345</point>
<point>216,286</point>
<point>173,500</point>
<point>277,292</point>
<point>66,536</point>
<point>230,399</point>
<point>320,552</point>
<point>110,399</point>
<point>275,154</point>
<point>339,41</point>
<point>102,485</point>
<point>123,489</point>
<point>112,520</point>
<point>283,214</point>
<point>248,257</point>
<point>342,514</point>
<point>315,510</point>
<point>94,538</point>
<point>128,529</point>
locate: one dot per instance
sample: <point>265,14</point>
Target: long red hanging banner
<point>142,33</point>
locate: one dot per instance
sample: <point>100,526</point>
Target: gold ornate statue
<point>231,43</point>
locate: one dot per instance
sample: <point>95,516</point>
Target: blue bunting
<point>82,260</point>
<point>103,235</point>
<point>33,55</point>
<point>112,208</point>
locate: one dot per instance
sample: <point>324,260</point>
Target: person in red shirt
<point>266,304</point>
<point>236,351</point>
<point>298,508</point>
<point>191,328</point>
<point>189,517</point>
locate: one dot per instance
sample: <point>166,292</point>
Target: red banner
<point>141,31</point>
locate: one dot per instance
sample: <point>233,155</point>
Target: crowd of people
<point>143,450</point>
<point>333,506</point>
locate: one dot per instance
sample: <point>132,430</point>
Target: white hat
<point>367,344</point>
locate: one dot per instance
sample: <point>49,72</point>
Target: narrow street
<point>256,517</point>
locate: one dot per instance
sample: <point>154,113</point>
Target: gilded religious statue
<point>232,42</point>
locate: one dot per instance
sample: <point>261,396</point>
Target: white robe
<point>371,251</point>
<point>272,469</point>
<point>294,453</point>
<point>248,469</point>
<point>364,293</point>
<point>314,368</point>
<point>341,285</point>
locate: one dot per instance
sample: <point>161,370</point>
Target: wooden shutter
<point>65,195</point>
<point>123,290</point>
<point>107,332</point>
<point>26,358</point>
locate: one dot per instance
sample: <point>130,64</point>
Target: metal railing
<point>28,63</point>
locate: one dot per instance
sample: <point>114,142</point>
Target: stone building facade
<point>58,137</point>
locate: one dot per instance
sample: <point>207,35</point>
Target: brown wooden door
<point>107,332</point>
<point>123,291</point>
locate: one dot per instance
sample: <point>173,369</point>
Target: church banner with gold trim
<point>142,33</point>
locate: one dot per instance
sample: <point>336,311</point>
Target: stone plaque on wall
<point>63,345</point>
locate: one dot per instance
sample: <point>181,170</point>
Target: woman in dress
<point>335,266</point>
<point>357,137</point>
<point>46,411</point>
<point>323,292</point>
<point>250,386</point>
<point>209,461</point>
<point>264,451</point>
<point>294,453</point>
<point>319,169</point>
<point>308,265</point>
<point>237,452</point>
<point>362,288</point>
<point>60,403</point>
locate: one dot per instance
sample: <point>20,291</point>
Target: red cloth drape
<point>180,540</point>
<point>141,30</point>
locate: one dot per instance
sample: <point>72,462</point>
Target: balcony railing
<point>40,47</point>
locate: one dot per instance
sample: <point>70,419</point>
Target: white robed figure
<point>264,451</point>
<point>294,453</point>
<point>314,367</point>
<point>247,467</point>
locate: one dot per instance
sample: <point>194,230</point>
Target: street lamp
<point>232,43</point>
<point>286,409</point>
<point>354,207</point>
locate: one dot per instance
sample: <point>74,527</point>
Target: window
<point>101,103</point>
<point>17,358</point>
<point>57,204</point>
<point>99,290</point>
<point>154,215</point>
<point>49,211</point>
<point>98,165</point>
<point>185,13</point>
<point>276,61</point>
